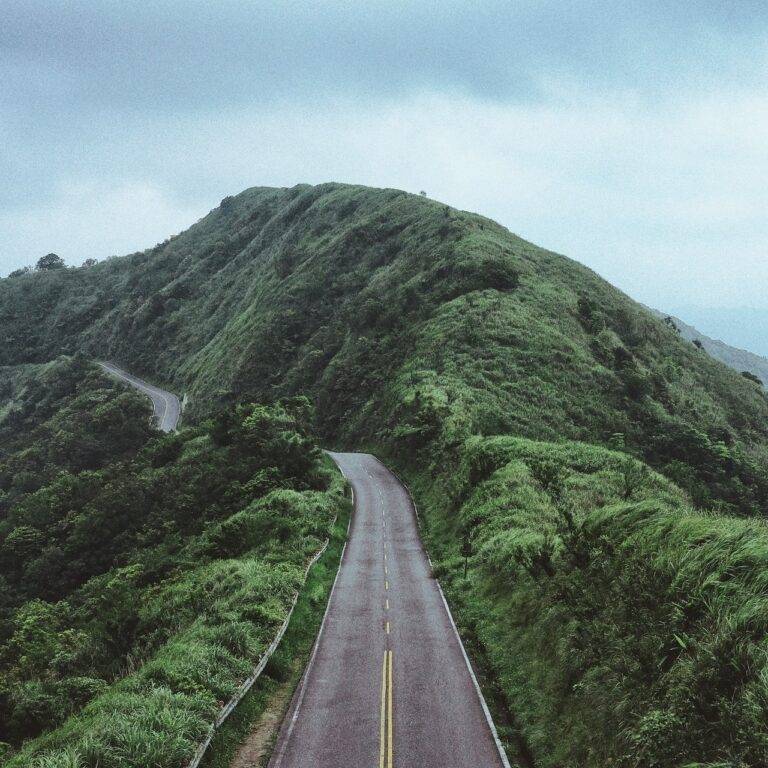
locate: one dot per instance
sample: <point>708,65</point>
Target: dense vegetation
<point>618,608</point>
<point>143,575</point>
<point>402,318</point>
<point>620,625</point>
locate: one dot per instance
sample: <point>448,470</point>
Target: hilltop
<point>404,320</point>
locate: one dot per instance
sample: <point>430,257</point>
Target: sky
<point>632,137</point>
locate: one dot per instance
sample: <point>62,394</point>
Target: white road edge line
<point>305,677</point>
<point>351,493</point>
<point>303,682</point>
<point>483,703</point>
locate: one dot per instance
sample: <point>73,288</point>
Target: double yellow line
<point>385,750</point>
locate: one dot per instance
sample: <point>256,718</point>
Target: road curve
<point>388,683</point>
<point>166,405</point>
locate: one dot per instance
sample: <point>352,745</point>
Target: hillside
<point>529,403</point>
<point>401,317</point>
<point>739,359</point>
<point>174,555</point>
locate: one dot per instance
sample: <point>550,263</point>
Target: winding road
<point>167,408</point>
<point>388,683</point>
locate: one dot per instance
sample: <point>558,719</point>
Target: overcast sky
<point>630,136</point>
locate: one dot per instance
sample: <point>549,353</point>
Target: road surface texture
<point>388,683</point>
<point>166,405</point>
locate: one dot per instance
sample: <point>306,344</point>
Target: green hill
<point>617,610</point>
<point>402,318</point>
<point>175,560</point>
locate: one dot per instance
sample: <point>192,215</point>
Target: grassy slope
<point>176,557</point>
<point>219,619</point>
<point>416,327</point>
<point>402,318</point>
<point>287,664</point>
<point>620,625</point>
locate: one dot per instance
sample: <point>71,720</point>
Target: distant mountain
<point>739,359</point>
<point>743,327</point>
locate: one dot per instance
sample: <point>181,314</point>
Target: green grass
<point>287,663</point>
<point>177,558</point>
<point>619,625</point>
<point>157,715</point>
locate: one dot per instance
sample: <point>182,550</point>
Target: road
<point>166,405</point>
<point>388,683</point>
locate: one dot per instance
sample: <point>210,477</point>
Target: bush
<point>211,537</point>
<point>50,261</point>
<point>609,610</point>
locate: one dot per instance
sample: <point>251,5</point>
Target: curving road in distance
<point>166,405</point>
<point>388,684</point>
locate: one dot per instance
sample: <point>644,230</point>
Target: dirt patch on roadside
<point>257,746</point>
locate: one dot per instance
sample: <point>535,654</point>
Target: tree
<point>20,272</point>
<point>22,542</point>
<point>90,262</point>
<point>49,262</point>
<point>751,376</point>
<point>276,436</point>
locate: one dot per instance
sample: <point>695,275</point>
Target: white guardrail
<point>247,684</point>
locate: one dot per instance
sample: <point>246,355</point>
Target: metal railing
<point>247,684</point>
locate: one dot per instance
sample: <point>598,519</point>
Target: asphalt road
<point>166,405</point>
<point>388,683</point>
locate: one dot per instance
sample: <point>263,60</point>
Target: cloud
<point>92,220</point>
<point>73,56</point>
<point>628,136</point>
<point>659,202</point>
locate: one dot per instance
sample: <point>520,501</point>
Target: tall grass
<point>210,626</point>
<point>622,626</point>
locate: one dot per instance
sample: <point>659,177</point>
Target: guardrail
<point>247,684</point>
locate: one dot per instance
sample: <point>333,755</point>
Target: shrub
<point>50,261</point>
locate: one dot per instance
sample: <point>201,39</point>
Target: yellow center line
<point>387,603</point>
<point>382,736</point>
<point>387,627</point>
<point>389,714</point>
<point>385,570</point>
<point>386,585</point>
